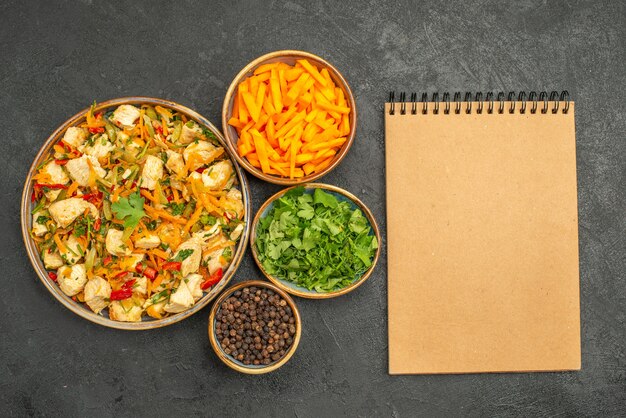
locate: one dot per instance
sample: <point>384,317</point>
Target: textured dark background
<point>57,57</point>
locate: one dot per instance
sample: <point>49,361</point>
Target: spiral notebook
<point>482,234</point>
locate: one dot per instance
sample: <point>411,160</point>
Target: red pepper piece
<point>66,146</point>
<point>52,275</point>
<point>121,294</point>
<point>150,273</point>
<point>98,130</point>
<point>93,197</point>
<point>170,198</point>
<point>200,170</point>
<point>107,260</point>
<point>120,275</point>
<point>97,225</point>
<point>212,280</point>
<point>61,162</point>
<point>129,284</point>
<point>33,197</point>
<point>159,129</point>
<point>172,265</point>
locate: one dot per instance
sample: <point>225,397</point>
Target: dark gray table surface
<point>57,57</point>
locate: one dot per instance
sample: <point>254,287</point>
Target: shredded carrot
<point>159,253</point>
<point>158,213</point>
<point>148,196</point>
<point>59,243</point>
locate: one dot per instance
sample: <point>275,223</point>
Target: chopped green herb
<point>183,255</point>
<point>315,240</point>
<point>176,208</point>
<point>208,219</point>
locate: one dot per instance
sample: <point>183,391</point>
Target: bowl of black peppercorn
<point>254,327</point>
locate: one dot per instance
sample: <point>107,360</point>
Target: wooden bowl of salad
<point>289,117</point>
<point>315,241</point>
<point>134,214</point>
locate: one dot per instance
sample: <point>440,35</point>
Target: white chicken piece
<point>202,152</point>
<point>158,308</point>
<point>57,176</point>
<point>191,264</point>
<point>97,293</point>
<point>206,234</point>
<point>189,134</point>
<point>236,233</point>
<point>75,136</point>
<point>114,243</point>
<point>125,116</point>
<point>39,229</point>
<point>214,261</point>
<point>194,281</point>
<point>180,300</point>
<point>56,173</point>
<point>125,310</point>
<point>141,285</point>
<point>72,280</point>
<point>79,169</point>
<point>234,203</point>
<point>101,147</point>
<point>52,261</point>
<point>175,163</point>
<point>72,251</point>
<point>64,212</point>
<point>52,195</point>
<point>148,241</point>
<point>152,172</point>
<point>217,176</point>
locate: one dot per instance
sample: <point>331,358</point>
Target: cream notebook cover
<point>482,234</point>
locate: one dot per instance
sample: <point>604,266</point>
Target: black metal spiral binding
<point>470,98</point>
<point>533,98</point>
<point>489,98</point>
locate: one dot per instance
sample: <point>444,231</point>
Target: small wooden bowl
<point>301,291</point>
<point>235,364</point>
<point>289,57</point>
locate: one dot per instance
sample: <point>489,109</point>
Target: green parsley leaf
<point>129,209</point>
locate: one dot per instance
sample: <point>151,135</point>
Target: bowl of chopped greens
<point>315,241</point>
